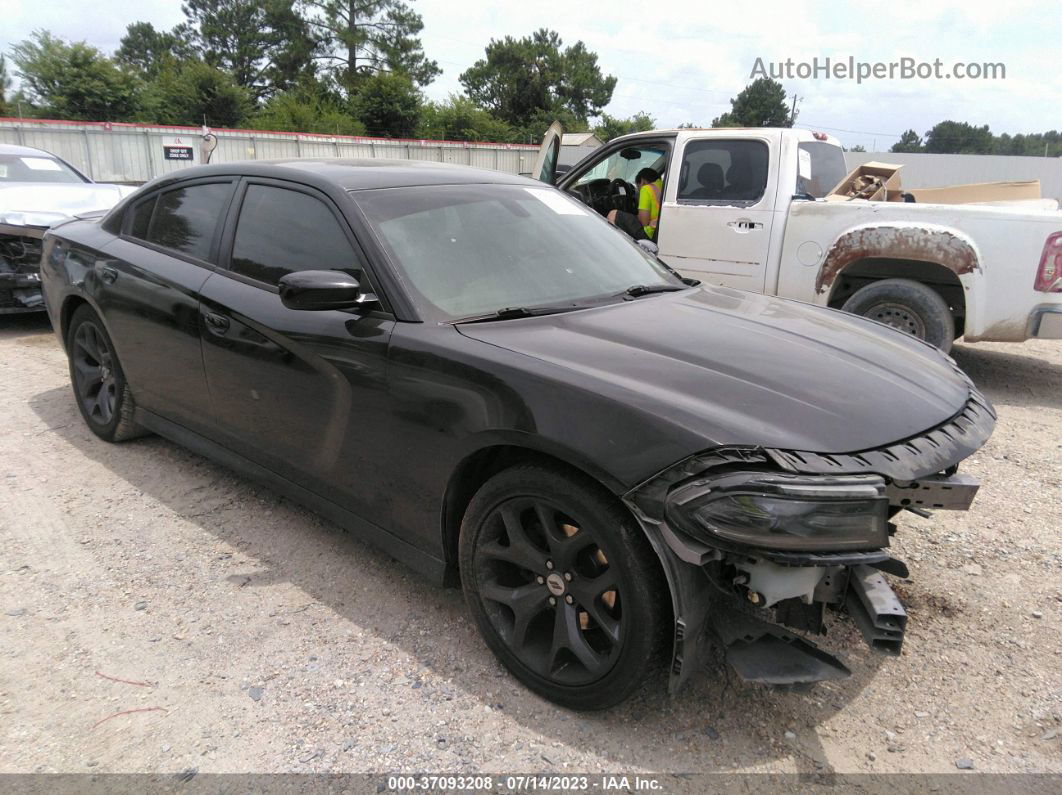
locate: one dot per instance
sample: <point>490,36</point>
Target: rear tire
<point>908,306</point>
<point>535,533</point>
<point>100,390</point>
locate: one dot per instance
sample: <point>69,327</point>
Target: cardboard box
<point>872,181</point>
<point>978,193</point>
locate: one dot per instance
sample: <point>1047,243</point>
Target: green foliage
<point>74,81</point>
<point>145,50</point>
<point>388,104</point>
<point>955,137</point>
<point>909,142</point>
<point>611,127</point>
<point>760,104</point>
<point>459,119</point>
<point>308,107</point>
<point>192,92</point>
<point>1047,144</point>
<point>856,148</point>
<point>523,81</point>
<point>361,38</point>
<point>5,84</point>
<point>264,44</point>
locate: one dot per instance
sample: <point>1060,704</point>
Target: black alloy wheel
<point>549,591</point>
<point>95,379</point>
<point>565,589</point>
<point>100,389</point>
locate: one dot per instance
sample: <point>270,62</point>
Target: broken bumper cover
<point>743,594</point>
<point>20,279</point>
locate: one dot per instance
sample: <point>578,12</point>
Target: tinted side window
<point>282,231</point>
<point>723,172</point>
<point>185,219</point>
<point>141,218</point>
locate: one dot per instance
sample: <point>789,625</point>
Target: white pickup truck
<point>744,208</point>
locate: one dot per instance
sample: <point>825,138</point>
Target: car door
<point>148,294</point>
<point>302,393</point>
<point>545,168</point>
<point>717,215</point>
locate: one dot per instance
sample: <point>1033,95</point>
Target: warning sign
<point>181,148</point>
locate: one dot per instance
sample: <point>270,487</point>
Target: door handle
<point>219,324</point>
<point>108,274</point>
<point>744,225</point>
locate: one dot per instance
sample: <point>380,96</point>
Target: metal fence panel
<point>921,170</point>
<point>135,153</point>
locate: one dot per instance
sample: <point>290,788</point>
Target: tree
<point>909,142</point>
<point>74,81</point>
<point>760,104</point>
<point>192,92</point>
<point>958,137</point>
<point>388,104</point>
<point>524,81</point>
<point>611,127</point>
<point>458,119</point>
<point>857,148</point>
<point>5,84</point>
<point>264,44</point>
<point>361,38</point>
<point>145,50</point>
<point>308,107</point>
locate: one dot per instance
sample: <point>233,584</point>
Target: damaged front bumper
<point>752,567</point>
<point>20,269</point>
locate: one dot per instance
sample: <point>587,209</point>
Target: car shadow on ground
<point>23,325</point>
<point>715,717</point>
<point>1012,377</point>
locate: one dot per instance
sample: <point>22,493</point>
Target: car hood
<point>43,204</point>
<point>741,368</point>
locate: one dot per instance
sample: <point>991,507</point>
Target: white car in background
<point>37,190</point>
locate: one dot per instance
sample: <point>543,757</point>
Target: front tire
<point>908,306</point>
<point>100,390</point>
<point>563,586</point>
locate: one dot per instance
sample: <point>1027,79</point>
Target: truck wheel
<point>564,587</point>
<point>906,305</point>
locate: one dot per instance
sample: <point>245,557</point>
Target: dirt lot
<point>265,639</point>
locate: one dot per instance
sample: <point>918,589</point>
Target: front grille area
<point>927,453</point>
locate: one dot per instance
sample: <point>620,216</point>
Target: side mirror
<point>317,290</point>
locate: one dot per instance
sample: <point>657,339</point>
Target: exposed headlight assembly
<point>785,512</point>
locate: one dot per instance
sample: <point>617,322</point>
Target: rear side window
<point>282,231</point>
<point>185,219</point>
<point>723,172</point>
<point>140,218</point>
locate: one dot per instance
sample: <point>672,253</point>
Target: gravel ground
<point>256,636</point>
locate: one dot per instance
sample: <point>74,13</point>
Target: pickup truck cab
<point>745,208</point>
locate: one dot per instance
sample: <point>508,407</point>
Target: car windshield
<point>467,250</point>
<point>36,168</point>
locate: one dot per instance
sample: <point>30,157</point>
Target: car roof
<point>12,149</point>
<point>354,174</point>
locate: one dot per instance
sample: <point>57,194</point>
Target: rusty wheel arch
<point>940,246</point>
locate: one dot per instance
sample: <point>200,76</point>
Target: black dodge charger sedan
<point>621,468</point>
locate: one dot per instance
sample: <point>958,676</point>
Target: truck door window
<point>723,172</point>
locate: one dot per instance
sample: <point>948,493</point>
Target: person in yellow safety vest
<point>650,193</point>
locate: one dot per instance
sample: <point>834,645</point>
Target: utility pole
<point>792,109</point>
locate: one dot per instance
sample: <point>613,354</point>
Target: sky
<point>683,61</point>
